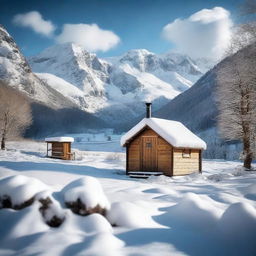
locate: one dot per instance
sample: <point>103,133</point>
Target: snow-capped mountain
<point>15,71</point>
<point>75,65</point>
<point>115,88</point>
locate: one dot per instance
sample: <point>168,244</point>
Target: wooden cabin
<point>60,147</point>
<point>158,146</point>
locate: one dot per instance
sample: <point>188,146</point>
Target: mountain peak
<point>65,49</point>
<point>138,52</point>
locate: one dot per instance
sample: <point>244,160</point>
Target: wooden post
<point>127,159</point>
<point>200,161</point>
<point>172,165</point>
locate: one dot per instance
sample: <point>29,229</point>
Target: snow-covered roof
<point>59,139</point>
<point>172,131</point>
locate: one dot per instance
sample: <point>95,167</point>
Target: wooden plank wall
<point>57,150</point>
<point>67,150</point>
<point>134,155</point>
<point>182,166</point>
<point>164,156</point>
<point>61,150</point>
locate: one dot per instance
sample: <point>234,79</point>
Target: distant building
<point>60,147</point>
<point>160,146</point>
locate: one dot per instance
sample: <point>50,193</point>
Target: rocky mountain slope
<point>52,111</point>
<point>115,88</point>
<point>16,72</point>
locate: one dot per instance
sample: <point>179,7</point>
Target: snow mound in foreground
<point>19,191</point>
<point>126,214</point>
<point>238,227</point>
<point>94,223</point>
<point>111,244</point>
<point>239,220</point>
<point>25,222</point>
<point>194,211</point>
<point>89,225</point>
<point>85,196</point>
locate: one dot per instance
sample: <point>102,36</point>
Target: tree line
<point>15,114</point>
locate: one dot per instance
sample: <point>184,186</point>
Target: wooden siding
<point>134,155</point>
<point>57,150</point>
<point>185,165</point>
<point>61,150</point>
<point>67,150</point>
<point>164,156</point>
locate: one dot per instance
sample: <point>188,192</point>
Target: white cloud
<point>90,36</point>
<point>206,33</point>
<point>35,21</point>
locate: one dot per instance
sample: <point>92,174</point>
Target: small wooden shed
<point>159,146</point>
<point>60,147</point>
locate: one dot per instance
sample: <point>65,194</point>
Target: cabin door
<point>149,161</point>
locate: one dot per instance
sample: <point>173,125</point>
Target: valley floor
<point>209,214</point>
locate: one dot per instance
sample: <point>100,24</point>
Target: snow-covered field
<point>209,214</point>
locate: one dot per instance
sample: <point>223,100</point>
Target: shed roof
<point>59,139</point>
<point>173,132</point>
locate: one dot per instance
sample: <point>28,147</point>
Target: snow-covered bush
<point>50,209</point>
<point>85,196</point>
<point>19,191</point>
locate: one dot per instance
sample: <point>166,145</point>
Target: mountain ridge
<point>117,83</point>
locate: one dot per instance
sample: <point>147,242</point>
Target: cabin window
<point>148,145</point>
<point>186,153</point>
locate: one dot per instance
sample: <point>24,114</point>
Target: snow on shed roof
<point>59,139</point>
<point>172,131</point>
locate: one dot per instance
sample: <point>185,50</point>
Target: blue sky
<point>137,24</point>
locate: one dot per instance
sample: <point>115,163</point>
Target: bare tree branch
<point>15,113</point>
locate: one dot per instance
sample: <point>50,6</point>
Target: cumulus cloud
<point>90,36</point>
<point>206,33</point>
<point>35,21</point>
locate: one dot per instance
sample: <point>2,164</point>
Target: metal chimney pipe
<point>148,107</point>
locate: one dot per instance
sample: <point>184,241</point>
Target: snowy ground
<point>209,214</point>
